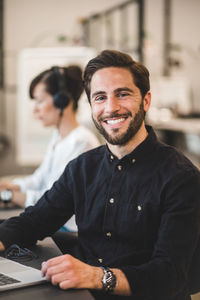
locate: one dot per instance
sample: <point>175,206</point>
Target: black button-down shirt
<point>140,214</point>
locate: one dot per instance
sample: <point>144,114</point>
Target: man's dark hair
<point>113,58</point>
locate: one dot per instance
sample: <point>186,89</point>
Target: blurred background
<point>34,35</point>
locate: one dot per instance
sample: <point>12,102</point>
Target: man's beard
<point>133,128</point>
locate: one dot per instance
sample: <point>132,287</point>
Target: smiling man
<point>118,108</point>
<point>136,200</point>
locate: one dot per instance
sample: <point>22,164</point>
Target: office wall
<point>43,23</point>
<point>185,39</point>
<point>185,34</point>
<point>35,23</point>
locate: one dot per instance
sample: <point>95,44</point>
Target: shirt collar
<point>141,151</point>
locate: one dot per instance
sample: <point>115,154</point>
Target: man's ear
<point>147,101</point>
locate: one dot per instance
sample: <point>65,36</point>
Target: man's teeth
<point>115,121</point>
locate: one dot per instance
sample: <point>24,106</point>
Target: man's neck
<point>121,151</point>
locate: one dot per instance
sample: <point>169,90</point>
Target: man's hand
<point>69,272</point>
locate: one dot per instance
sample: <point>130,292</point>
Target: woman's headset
<point>62,98</point>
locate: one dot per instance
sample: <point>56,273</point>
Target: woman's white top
<point>57,156</point>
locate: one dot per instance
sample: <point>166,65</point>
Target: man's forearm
<point>69,272</point>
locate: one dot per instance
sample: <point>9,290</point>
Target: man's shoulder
<point>175,160</point>
<point>91,155</point>
<point>97,151</point>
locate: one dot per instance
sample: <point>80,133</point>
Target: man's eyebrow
<point>123,89</point>
<point>115,91</point>
<point>98,93</point>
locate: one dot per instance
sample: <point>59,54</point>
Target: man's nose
<point>112,104</point>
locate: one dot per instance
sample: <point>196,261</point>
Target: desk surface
<point>45,250</point>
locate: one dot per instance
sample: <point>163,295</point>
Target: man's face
<point>117,105</point>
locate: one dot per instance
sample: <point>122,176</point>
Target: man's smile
<point>114,121</point>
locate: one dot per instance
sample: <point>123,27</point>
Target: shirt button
<point>111,157</point>
<point>111,200</point>
<point>108,234</point>
<point>119,167</point>
<point>133,160</point>
<point>139,207</point>
<point>100,260</point>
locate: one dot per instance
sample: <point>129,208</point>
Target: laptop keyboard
<point>4,280</point>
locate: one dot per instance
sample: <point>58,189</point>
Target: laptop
<point>15,275</point>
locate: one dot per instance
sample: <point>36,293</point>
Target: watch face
<point>108,277</point>
<point>109,280</point>
<point>6,195</point>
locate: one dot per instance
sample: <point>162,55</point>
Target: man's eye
<point>122,95</point>
<point>99,98</point>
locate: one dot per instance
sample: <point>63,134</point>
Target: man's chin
<point>116,139</point>
<point>112,136</point>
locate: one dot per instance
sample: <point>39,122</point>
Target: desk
<point>45,291</point>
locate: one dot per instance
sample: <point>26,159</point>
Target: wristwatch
<point>6,196</point>
<point>109,280</point>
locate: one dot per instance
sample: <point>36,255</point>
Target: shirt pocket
<point>140,217</point>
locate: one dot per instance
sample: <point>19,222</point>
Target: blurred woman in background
<point>56,93</point>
